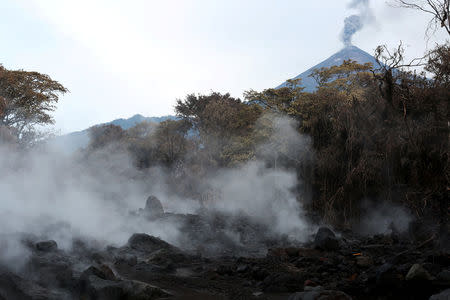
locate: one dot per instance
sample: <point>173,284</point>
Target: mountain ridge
<point>73,141</point>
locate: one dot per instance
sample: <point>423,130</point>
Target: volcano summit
<point>349,52</point>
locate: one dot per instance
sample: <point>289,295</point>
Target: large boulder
<point>50,269</point>
<point>153,207</point>
<point>146,243</point>
<point>47,246</point>
<point>325,239</point>
<point>444,295</point>
<point>103,272</point>
<point>417,272</point>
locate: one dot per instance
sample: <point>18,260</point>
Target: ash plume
<point>356,22</point>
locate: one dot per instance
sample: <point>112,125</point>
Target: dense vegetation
<point>376,134</point>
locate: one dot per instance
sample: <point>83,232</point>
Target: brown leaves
<point>27,99</point>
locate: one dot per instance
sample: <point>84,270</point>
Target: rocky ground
<point>347,266</point>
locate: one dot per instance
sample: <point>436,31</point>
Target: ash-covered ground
<point>221,256</point>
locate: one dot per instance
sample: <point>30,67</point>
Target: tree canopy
<point>27,99</point>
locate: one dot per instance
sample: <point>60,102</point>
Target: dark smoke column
<point>352,24</point>
<point>356,22</point>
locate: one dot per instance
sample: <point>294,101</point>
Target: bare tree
<point>438,9</point>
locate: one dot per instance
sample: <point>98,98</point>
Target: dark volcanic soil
<point>389,266</point>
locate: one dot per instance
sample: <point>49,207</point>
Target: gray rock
<point>50,269</point>
<point>128,259</point>
<point>103,272</point>
<point>13,287</point>
<point>325,239</point>
<point>153,207</point>
<point>47,246</point>
<point>147,243</point>
<point>101,289</point>
<point>320,295</point>
<point>417,272</point>
<point>242,268</point>
<point>444,295</point>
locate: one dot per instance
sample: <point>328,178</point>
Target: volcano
<point>349,52</point>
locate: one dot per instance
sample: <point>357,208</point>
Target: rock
<point>47,246</point>
<point>103,272</point>
<point>320,295</point>
<point>445,295</point>
<point>364,261</point>
<point>147,243</point>
<point>325,239</point>
<point>242,268</point>
<point>50,269</point>
<point>128,259</point>
<point>309,282</point>
<point>13,287</point>
<point>101,289</point>
<point>166,255</point>
<point>257,294</point>
<point>417,272</point>
<point>153,207</point>
<point>224,270</point>
<point>444,276</point>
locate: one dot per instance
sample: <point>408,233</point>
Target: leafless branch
<point>439,9</point>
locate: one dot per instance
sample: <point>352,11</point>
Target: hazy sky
<point>119,58</point>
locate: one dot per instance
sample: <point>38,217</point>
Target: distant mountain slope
<point>136,119</point>
<point>350,52</point>
<point>73,141</point>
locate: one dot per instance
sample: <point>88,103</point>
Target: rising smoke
<point>356,22</point>
<point>50,195</point>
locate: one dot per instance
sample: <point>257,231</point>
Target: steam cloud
<point>49,195</point>
<point>356,22</point>
<point>381,218</point>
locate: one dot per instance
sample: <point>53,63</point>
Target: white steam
<point>383,218</point>
<point>53,196</point>
<point>264,194</point>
